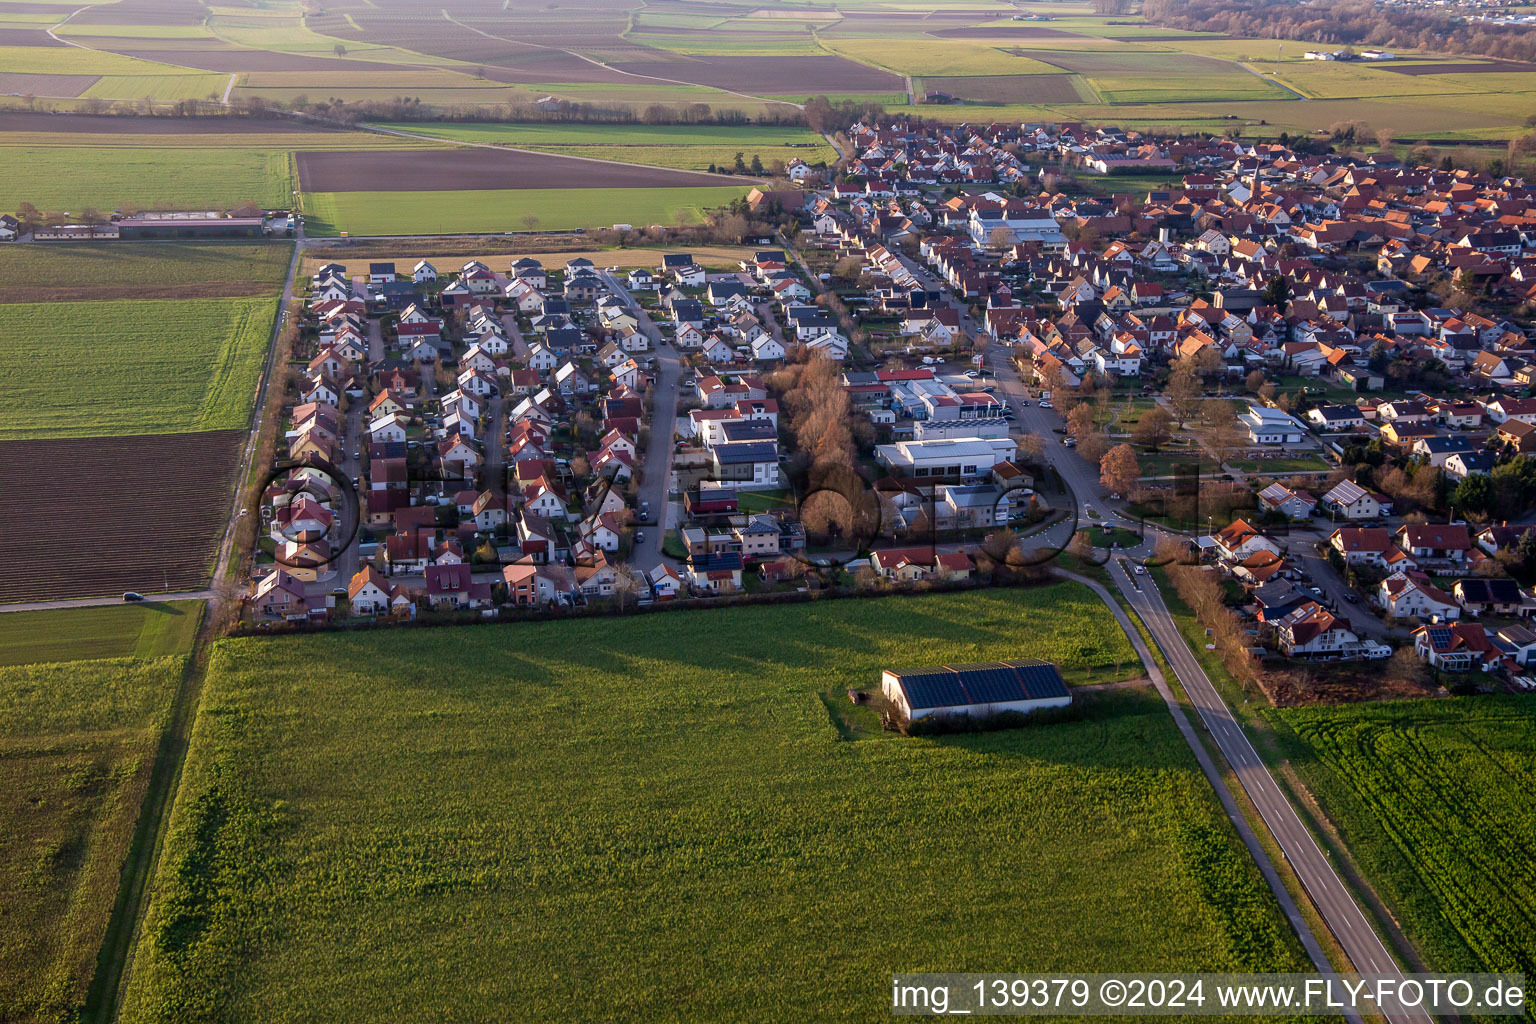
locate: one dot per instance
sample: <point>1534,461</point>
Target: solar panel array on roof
<point>992,682</point>
<point>1040,679</point>
<point>933,688</point>
<point>1440,638</point>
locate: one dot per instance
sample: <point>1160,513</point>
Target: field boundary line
<point>104,998</point>
<point>734,179</point>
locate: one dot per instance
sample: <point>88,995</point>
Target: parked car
<point>1045,403</point>
<point>639,536</point>
<point>133,595</point>
<point>1352,597</point>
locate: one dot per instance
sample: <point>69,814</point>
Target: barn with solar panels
<point>980,690</point>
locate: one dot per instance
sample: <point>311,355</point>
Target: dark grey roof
<point>991,682</point>
<point>750,430</point>
<point>737,452</point>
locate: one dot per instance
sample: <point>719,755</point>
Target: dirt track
<point>462,169</point>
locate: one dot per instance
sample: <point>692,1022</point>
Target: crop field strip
<point>151,629</point>
<point>107,514</point>
<point>1437,802</point>
<point>480,169</point>
<point>609,818</point>
<point>84,271</point>
<point>77,742</point>
<point>478,211</point>
<point>130,366</point>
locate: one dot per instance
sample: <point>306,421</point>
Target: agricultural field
<point>79,742</point>
<point>668,826</point>
<point>87,369</point>
<point>479,169</point>
<point>181,178</point>
<point>748,59</point>
<point>1436,801</point>
<point>141,270</point>
<point>555,209</point>
<point>103,515</point>
<point>152,629</point>
<point>688,147</point>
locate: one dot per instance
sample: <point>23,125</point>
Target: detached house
<point>1350,500</point>
<point>1435,542</point>
<point>1408,595</point>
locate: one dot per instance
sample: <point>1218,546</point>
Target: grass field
<point>673,823</point>
<point>1437,802</point>
<point>393,213</point>
<point>936,57</point>
<point>75,60</point>
<point>183,178</point>
<point>130,270</point>
<point>160,88</point>
<point>86,369</point>
<point>153,629</point>
<point>79,742</point>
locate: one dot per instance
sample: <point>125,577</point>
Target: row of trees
<point>1346,23</point>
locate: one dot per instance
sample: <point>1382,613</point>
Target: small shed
<point>982,689</point>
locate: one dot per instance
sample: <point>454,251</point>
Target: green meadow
<point>84,369</point>
<point>675,817</point>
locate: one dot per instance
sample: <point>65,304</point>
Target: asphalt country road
<point>1332,898</point>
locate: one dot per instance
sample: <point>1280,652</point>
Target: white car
<point>1045,404</point>
<point>1141,570</point>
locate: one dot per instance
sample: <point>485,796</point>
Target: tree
<point>1154,428</point>
<point>1474,495</point>
<point>1080,422</point>
<point>1184,391</point>
<point>1000,238</point>
<point>757,165</point>
<point>1093,447</point>
<point>1254,381</point>
<point>849,268</point>
<point>1223,434</point>
<point>1031,448</point>
<point>1118,470</point>
<point>530,221</point>
<point>339,50</point>
<point>741,163</point>
<point>1278,292</point>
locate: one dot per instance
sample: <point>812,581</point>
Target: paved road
<point>1330,896</point>
<point>1360,620</point>
<point>655,485</point>
<point>1345,919</point>
<point>656,465</point>
<point>1213,775</point>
